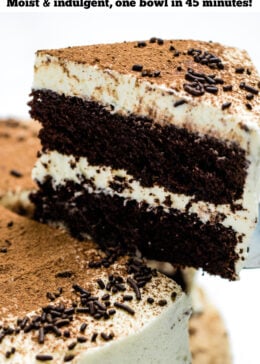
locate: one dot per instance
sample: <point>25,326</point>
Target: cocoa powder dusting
<point>35,257</point>
<point>19,145</point>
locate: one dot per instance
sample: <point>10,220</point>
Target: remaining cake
<point>154,144</point>
<point>209,341</point>
<point>19,146</point>
<point>66,301</point>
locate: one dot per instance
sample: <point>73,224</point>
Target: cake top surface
<point>50,270</point>
<point>223,75</point>
<point>19,145</point>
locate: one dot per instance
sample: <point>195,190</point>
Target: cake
<point>19,146</point>
<point>153,145</point>
<point>67,301</point>
<point>209,341</point>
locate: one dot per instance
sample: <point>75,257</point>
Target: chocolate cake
<point>67,301</point>
<point>153,144</point>
<point>19,145</point>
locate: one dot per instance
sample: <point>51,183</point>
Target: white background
<point>21,34</point>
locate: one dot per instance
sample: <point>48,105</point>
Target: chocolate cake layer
<point>181,237</point>
<point>181,161</point>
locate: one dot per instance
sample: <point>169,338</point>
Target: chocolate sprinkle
<point>227,88</point>
<point>249,97</point>
<point>173,295</point>
<point>251,89</point>
<point>135,287</point>
<point>193,91</point>
<point>127,298</point>
<point>94,336</point>
<point>137,67</point>
<point>106,337</point>
<point>141,44</point>
<point>226,105</point>
<point>41,335</point>
<point>179,102</point>
<point>16,173</point>
<point>101,283</point>
<point>162,302</point>
<point>240,70</point>
<point>9,353</point>
<point>211,89</point>
<point>248,88</point>
<point>160,41</point>
<point>42,357</point>
<point>65,274</point>
<point>124,307</point>
<point>72,345</point>
<point>81,339</point>
<point>152,40</point>
<point>68,357</point>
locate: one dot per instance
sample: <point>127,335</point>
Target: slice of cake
<point>19,146</point>
<point>154,144</point>
<point>66,301</point>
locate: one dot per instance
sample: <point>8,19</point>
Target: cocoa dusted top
<point>196,67</point>
<point>58,293</point>
<point>46,263</point>
<point>40,260</point>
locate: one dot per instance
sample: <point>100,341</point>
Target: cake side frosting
<point>73,300</point>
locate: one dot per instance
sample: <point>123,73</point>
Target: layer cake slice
<point>151,144</point>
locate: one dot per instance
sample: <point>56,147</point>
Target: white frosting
<point>58,166</point>
<point>155,334</point>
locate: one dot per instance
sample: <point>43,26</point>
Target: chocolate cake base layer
<point>175,237</point>
<point>201,166</point>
